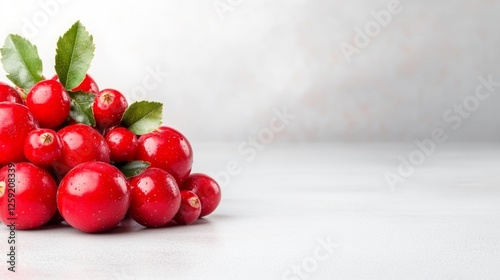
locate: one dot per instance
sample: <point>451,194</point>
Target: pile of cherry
<point>84,156</point>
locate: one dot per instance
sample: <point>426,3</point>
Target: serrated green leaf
<point>21,62</point>
<point>75,51</point>
<point>143,117</point>
<point>81,107</point>
<point>133,168</point>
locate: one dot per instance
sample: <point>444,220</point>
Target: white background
<point>226,76</point>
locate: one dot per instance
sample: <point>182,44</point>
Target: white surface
<point>443,223</point>
<point>226,76</point>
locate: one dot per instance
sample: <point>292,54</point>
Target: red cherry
<point>8,93</point>
<point>43,147</point>
<point>109,106</point>
<point>155,198</point>
<point>168,149</point>
<point>81,143</point>
<point>35,195</point>
<point>122,144</point>
<point>16,122</point>
<point>190,208</point>
<point>88,85</point>
<point>93,197</point>
<point>49,102</point>
<point>207,190</point>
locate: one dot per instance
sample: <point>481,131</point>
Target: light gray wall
<point>227,76</point>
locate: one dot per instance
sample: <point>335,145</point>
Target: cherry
<point>155,198</point>
<point>35,195</point>
<point>81,143</point>
<point>88,85</point>
<point>43,147</point>
<point>8,93</point>
<point>93,197</point>
<point>207,190</point>
<point>122,144</point>
<point>109,106</point>
<point>49,102</point>
<point>190,208</point>
<point>168,149</point>
<point>16,122</point>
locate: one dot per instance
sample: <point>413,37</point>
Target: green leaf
<point>143,117</point>
<point>133,168</point>
<point>81,107</point>
<point>21,62</point>
<point>75,51</point>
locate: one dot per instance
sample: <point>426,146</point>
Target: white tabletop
<point>316,211</point>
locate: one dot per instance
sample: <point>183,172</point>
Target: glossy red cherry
<point>81,143</point>
<point>168,149</point>
<point>43,147</point>
<point>88,85</point>
<point>207,190</point>
<point>93,197</point>
<point>49,102</point>
<point>190,209</point>
<point>8,93</point>
<point>122,144</point>
<point>155,198</point>
<point>109,106</point>
<point>16,122</point>
<point>35,195</point>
